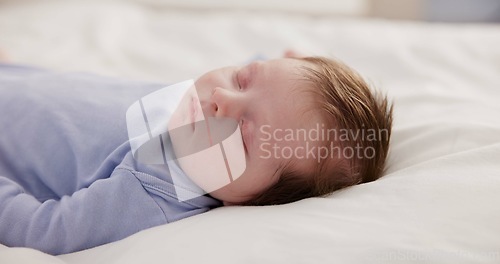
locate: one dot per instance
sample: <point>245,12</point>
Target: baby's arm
<point>109,210</point>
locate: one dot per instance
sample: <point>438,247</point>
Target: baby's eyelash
<point>243,136</point>
<point>238,80</point>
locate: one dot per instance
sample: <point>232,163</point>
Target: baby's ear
<point>289,53</point>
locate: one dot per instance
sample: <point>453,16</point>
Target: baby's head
<point>310,126</point>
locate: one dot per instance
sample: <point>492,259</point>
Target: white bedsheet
<point>437,203</point>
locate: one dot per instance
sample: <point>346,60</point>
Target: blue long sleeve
<point>68,180</point>
<point>109,210</point>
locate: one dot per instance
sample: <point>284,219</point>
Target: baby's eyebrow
<point>254,67</point>
<point>253,70</point>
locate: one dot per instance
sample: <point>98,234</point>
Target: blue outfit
<point>68,180</point>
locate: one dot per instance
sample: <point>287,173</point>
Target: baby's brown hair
<point>348,104</point>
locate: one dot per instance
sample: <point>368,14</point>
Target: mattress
<point>437,201</point>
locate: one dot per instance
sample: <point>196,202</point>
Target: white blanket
<point>437,202</point>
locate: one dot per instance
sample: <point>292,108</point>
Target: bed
<point>438,199</point>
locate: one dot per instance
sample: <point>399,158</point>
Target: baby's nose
<point>227,103</point>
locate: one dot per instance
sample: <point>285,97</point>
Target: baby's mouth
<point>199,121</point>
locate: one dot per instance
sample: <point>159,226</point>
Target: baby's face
<point>266,98</point>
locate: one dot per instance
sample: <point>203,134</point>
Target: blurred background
<point>437,10</point>
<point>426,10</point>
<point>169,40</point>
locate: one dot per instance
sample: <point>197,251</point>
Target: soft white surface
<point>438,201</point>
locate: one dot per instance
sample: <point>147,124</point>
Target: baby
<point>69,180</point>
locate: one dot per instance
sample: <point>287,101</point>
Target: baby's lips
<point>208,132</point>
<point>198,110</point>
